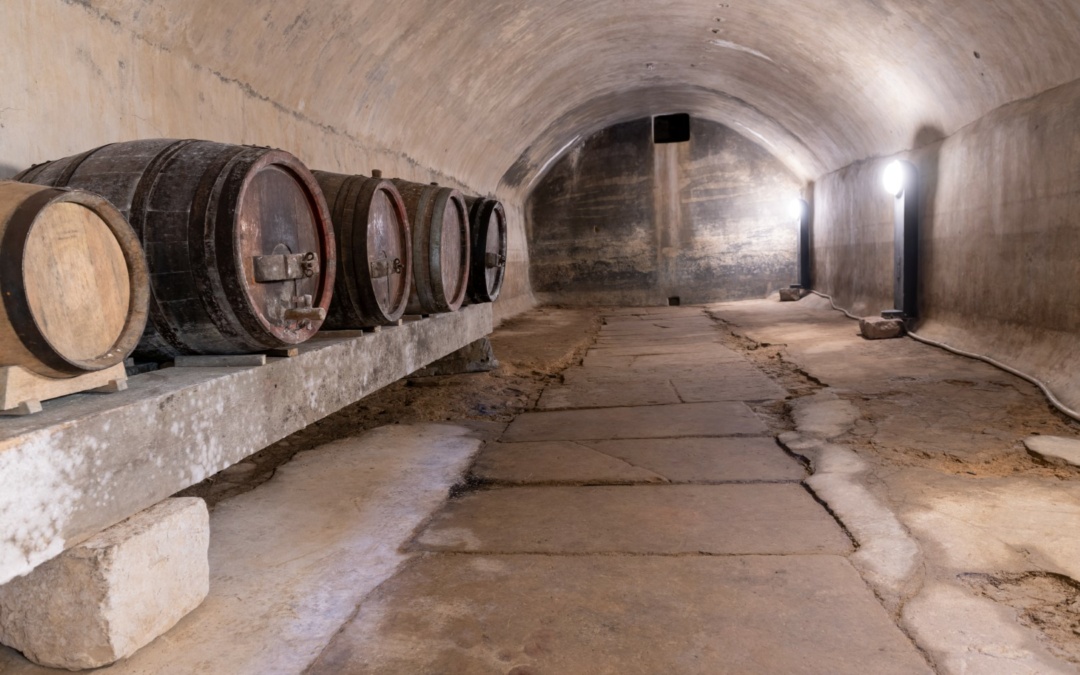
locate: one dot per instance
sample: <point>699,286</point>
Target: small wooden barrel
<point>440,244</point>
<point>487,226</point>
<point>73,281</point>
<point>238,240</point>
<point>374,251</point>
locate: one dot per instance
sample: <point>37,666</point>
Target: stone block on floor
<point>1057,450</point>
<point>791,294</point>
<point>878,328</point>
<point>106,598</point>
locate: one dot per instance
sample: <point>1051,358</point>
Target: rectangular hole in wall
<point>671,128</point>
<point>674,301</point>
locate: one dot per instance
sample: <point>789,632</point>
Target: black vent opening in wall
<point>674,301</point>
<point>671,128</point>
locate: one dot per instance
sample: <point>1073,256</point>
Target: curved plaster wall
<point>484,95</point>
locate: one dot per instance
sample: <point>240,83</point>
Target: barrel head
<point>388,252</point>
<point>281,251</point>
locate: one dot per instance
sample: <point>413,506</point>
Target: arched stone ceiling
<point>491,90</point>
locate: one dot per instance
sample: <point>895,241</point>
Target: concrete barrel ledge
<point>91,460</point>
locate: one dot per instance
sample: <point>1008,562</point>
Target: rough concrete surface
<point>928,448</point>
<point>91,460</point>
<point>290,560</point>
<point>938,542</point>
<point>108,597</point>
<point>668,519</point>
<point>624,220</point>
<point>618,615</point>
<point>726,418</point>
<point>689,460</point>
<point>557,462</point>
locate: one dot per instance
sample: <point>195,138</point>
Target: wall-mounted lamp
<point>799,210</point>
<point>804,243</point>
<point>900,179</point>
<point>894,178</point>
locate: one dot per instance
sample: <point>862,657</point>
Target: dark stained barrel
<point>487,228</point>
<point>374,251</point>
<point>238,240</point>
<point>440,235</point>
<point>73,281</point>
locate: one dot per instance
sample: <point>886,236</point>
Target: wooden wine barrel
<point>238,240</point>
<point>374,251</point>
<point>73,281</point>
<point>487,227</point>
<point>440,244</point>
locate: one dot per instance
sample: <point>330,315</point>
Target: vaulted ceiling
<point>495,89</point>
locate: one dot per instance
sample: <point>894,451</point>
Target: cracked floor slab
<point>736,519</point>
<point>680,460</point>
<point>556,462</point>
<point>623,616</point>
<point>727,418</point>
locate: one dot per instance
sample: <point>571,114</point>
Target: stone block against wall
<point>878,328</point>
<point>104,599</point>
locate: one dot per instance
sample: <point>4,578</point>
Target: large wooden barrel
<point>374,250</point>
<point>487,227</point>
<point>73,281</point>
<point>238,240</point>
<point>440,244</point>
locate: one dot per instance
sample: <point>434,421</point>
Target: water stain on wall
<point>621,219</point>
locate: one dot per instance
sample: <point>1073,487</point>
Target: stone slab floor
<point>643,520</point>
<point>740,488</point>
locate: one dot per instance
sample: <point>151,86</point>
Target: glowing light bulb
<point>797,209</point>
<point>894,178</point>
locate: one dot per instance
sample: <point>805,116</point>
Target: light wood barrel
<point>73,281</point>
<point>440,235</point>
<point>238,240</point>
<point>487,227</point>
<point>374,251</point>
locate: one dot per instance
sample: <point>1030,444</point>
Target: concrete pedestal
<point>113,594</point>
<point>476,357</point>
<point>87,462</point>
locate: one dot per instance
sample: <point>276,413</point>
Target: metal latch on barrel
<point>494,259</point>
<point>270,268</point>
<point>384,268</point>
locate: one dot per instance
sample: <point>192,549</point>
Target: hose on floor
<point>1054,400</point>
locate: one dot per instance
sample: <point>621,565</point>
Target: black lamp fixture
<point>800,211</point>
<point>901,181</point>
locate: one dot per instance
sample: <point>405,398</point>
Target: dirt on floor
<point>532,350</point>
<point>926,410</point>
<point>966,426</point>
<point>1049,603</point>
